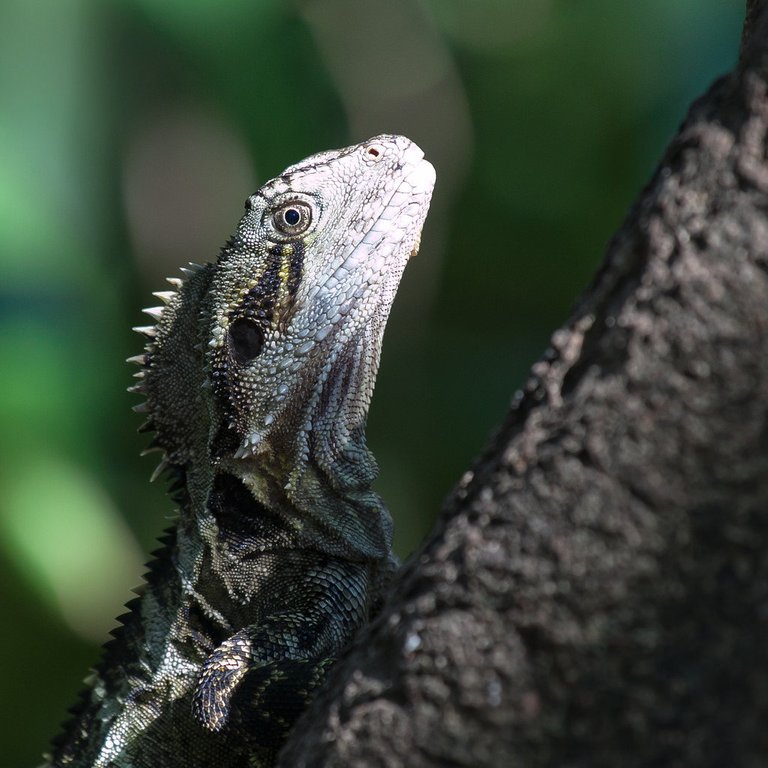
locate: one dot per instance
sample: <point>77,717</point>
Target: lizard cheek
<point>246,340</point>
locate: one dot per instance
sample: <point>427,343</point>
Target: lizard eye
<point>246,340</point>
<point>292,218</point>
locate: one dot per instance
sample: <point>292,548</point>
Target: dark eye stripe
<point>295,268</point>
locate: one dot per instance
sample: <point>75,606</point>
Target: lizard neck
<point>353,524</point>
<point>316,472</point>
<point>313,467</point>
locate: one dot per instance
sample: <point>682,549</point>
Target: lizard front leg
<point>259,681</point>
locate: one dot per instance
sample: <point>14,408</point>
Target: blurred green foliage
<point>130,134</point>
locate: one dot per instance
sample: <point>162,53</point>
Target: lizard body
<point>258,376</point>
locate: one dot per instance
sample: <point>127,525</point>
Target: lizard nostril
<point>374,152</point>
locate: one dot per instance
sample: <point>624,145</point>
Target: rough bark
<point>596,590</point>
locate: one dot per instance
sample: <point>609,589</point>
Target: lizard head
<point>265,361</point>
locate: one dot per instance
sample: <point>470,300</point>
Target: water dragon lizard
<point>258,375</point>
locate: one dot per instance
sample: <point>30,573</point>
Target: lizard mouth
<point>403,215</point>
<point>416,246</point>
<point>421,178</point>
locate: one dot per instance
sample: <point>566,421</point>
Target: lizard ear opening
<point>246,340</point>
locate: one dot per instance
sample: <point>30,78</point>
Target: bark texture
<point>596,590</point>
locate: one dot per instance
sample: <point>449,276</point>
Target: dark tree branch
<point>596,590</point>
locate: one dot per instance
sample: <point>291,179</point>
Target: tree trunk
<point>595,592</point>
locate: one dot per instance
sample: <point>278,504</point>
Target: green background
<point>130,134</point>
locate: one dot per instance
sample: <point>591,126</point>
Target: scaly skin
<point>258,376</point>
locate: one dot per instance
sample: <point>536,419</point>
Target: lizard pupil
<point>292,217</point>
<point>246,340</point>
